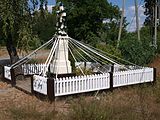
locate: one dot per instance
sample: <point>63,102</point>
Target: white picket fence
<point>88,83</point>
<point>80,84</point>
<point>30,69</point>
<point>130,77</point>
<point>73,85</point>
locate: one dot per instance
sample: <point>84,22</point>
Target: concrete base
<point>61,67</point>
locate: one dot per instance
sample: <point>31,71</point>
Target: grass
<point>30,113</point>
<point>132,103</point>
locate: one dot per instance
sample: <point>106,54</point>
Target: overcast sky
<point>129,11</point>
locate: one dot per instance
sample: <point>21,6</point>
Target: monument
<point>61,63</point>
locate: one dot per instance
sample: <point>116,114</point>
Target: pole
<point>155,25</point>
<point>121,23</point>
<point>158,10</point>
<point>13,79</point>
<point>137,19</point>
<point>51,89</point>
<point>111,77</point>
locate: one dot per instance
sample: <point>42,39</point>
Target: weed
<point>30,113</point>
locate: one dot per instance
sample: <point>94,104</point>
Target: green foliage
<point>150,21</point>
<point>17,20</point>
<point>89,15</point>
<point>138,52</point>
<point>85,20</point>
<point>91,21</point>
<point>85,71</point>
<point>44,25</point>
<point>109,49</point>
<point>158,42</point>
<point>149,4</point>
<point>27,40</point>
<point>12,17</point>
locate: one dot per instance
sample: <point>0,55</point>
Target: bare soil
<point>11,97</point>
<point>156,64</point>
<point>41,55</point>
<point>3,53</point>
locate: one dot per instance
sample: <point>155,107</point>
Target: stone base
<point>61,67</point>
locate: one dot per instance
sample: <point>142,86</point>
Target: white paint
<point>40,84</point>
<point>61,63</point>
<point>131,77</point>
<point>7,73</point>
<point>30,69</point>
<point>80,84</point>
<point>88,83</point>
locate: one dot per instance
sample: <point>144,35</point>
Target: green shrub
<point>85,71</point>
<point>138,52</point>
<point>109,49</point>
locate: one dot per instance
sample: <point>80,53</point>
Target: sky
<point>129,11</point>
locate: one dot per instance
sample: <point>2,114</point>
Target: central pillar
<point>61,63</point>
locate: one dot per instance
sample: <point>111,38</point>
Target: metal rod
<point>18,62</point>
<point>155,25</point>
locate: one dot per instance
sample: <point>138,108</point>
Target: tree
<point>10,14</point>
<point>150,19</point>
<point>16,19</point>
<point>138,52</point>
<point>44,25</point>
<point>149,11</point>
<point>1,33</point>
<point>85,19</point>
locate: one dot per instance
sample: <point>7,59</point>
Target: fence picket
<point>78,84</point>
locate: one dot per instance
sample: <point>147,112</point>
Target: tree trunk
<point>12,50</point>
<point>11,45</point>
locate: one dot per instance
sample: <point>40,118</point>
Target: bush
<point>85,71</point>
<point>109,49</point>
<point>89,110</point>
<point>138,52</point>
<point>104,108</point>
